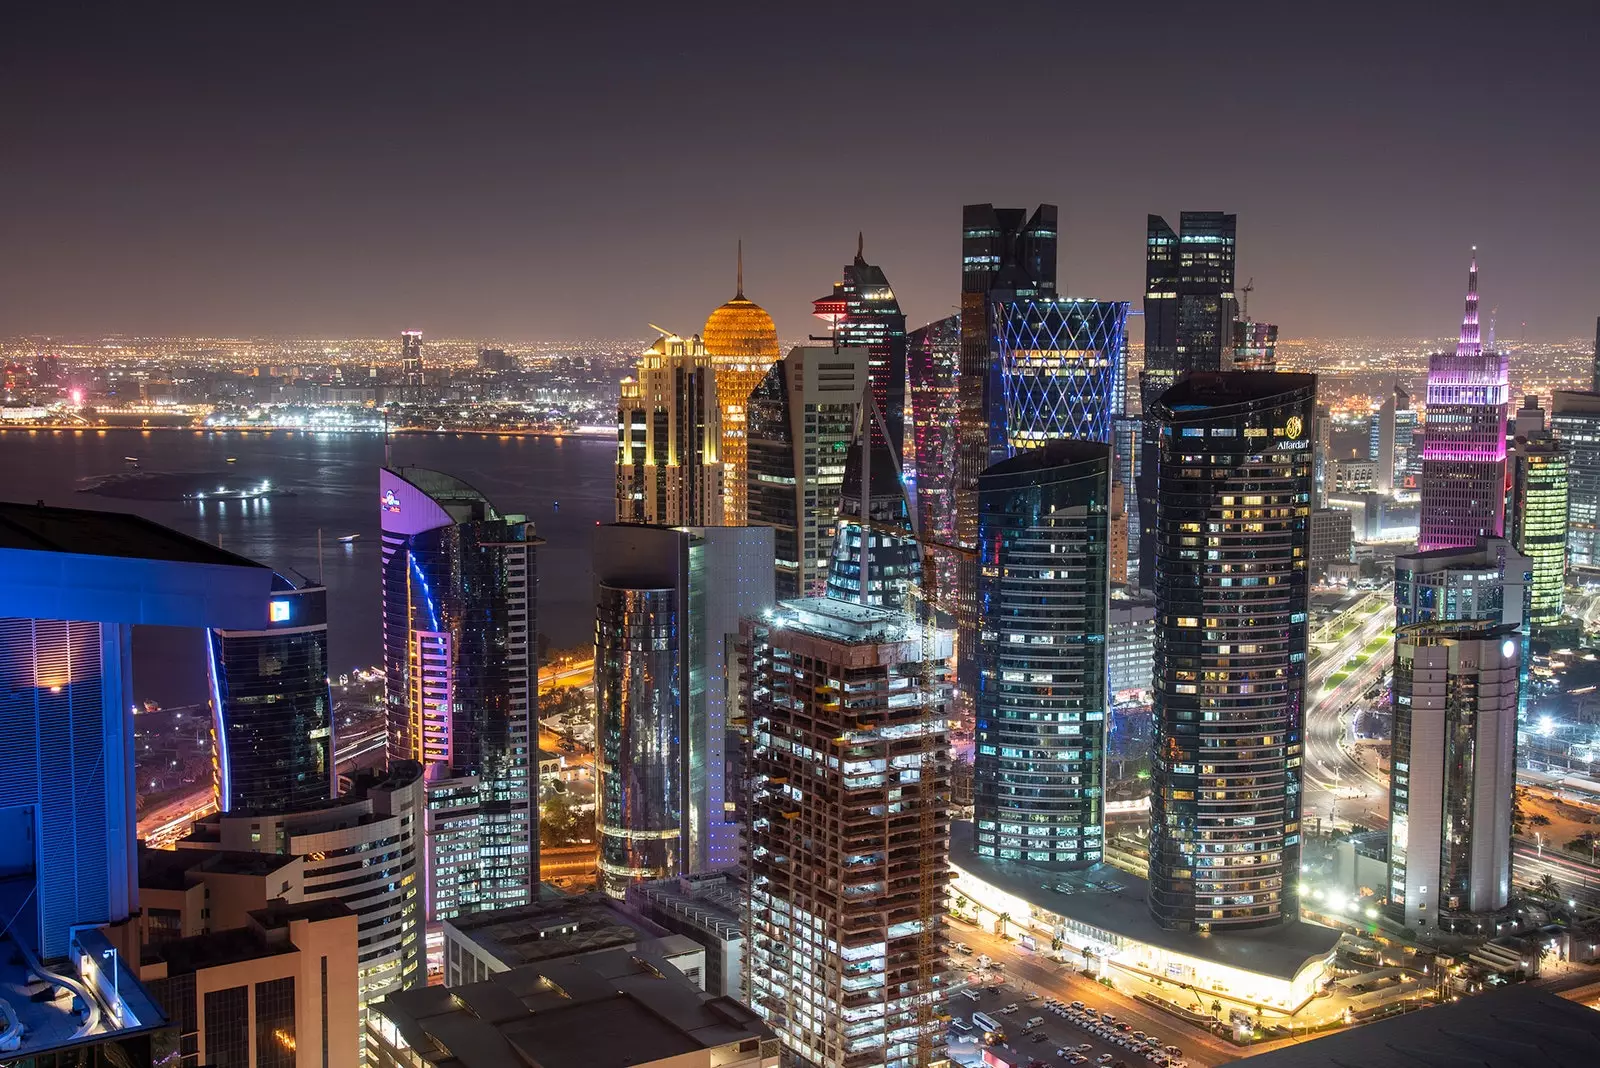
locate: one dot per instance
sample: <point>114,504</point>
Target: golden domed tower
<point>742,344</point>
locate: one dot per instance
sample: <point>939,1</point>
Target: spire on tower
<point>1469,344</point>
<point>739,293</point>
<point>861,245</point>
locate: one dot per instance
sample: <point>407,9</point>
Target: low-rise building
<point>708,908</point>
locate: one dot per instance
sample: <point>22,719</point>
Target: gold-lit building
<point>669,439</point>
<point>742,344</point>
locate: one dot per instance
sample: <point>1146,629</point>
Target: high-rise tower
<point>863,311</point>
<point>742,345</point>
<point>411,358</point>
<point>1188,326</point>
<point>461,683</point>
<point>1057,365</point>
<point>669,438</point>
<point>1043,600</point>
<point>1232,542</point>
<point>1575,419</point>
<point>933,364</point>
<point>1538,522</point>
<point>1464,439</point>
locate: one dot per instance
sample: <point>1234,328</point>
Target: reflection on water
<point>331,484</point>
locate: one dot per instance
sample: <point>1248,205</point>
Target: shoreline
<point>597,433</point>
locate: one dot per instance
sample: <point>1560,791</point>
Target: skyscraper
<point>1231,542</point>
<point>1575,419</point>
<point>668,606</point>
<point>848,855</point>
<point>1255,346</point>
<point>1407,457</point>
<point>272,709</point>
<point>1595,383</point>
<point>1057,366</point>
<point>1464,439</point>
<point>863,311</point>
<point>1044,533</point>
<point>411,358</point>
<point>669,438</point>
<point>802,423</point>
<point>884,573</point>
<point>1490,581</point>
<point>1455,739</point>
<point>933,357</point>
<point>460,623</point>
<point>1380,443</point>
<point>1006,254</point>
<point>1539,524</point>
<point>742,344</point>
<point>1322,465</point>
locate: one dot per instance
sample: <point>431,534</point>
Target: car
<point>1063,1052</point>
<point>1140,1035</point>
<point>1084,1047</point>
<point>1077,1058</point>
<point>1124,1028</point>
<point>970,995</point>
<point>1105,1058</point>
<point>1030,996</point>
<point>1010,1008</point>
<point>1040,1036</point>
<point>1077,1004</point>
<point>995,988</point>
<point>1106,1017</point>
<point>1174,1051</point>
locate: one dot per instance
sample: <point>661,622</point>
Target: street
<point>1338,786</point>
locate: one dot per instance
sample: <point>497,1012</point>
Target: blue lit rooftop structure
<point>1057,366</point>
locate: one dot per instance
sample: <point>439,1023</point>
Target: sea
<point>320,482</point>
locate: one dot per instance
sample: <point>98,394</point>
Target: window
<point>228,1028</point>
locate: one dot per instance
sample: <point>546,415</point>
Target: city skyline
<point>345,199</point>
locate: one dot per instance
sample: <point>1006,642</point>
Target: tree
<point>1539,819</point>
<point>560,824</point>
<point>1216,1009</point>
<point>1547,886</point>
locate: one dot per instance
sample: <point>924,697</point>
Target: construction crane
<point>1244,306</point>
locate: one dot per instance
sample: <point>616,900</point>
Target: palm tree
<point>1216,1009</point>
<point>1548,887</point>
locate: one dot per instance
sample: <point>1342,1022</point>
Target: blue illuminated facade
<point>1058,362</point>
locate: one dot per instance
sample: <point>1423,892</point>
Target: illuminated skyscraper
<point>668,606</point>
<point>1492,580</point>
<point>1539,524</point>
<point>1380,443</point>
<point>1232,543</point>
<point>934,361</point>
<point>272,707</point>
<point>863,311</point>
<point>1595,383</point>
<point>893,564</point>
<point>742,345</point>
<point>411,357</point>
<point>1464,439</point>
<point>802,423</point>
<point>1043,598</point>
<point>461,683</point>
<point>669,438</point>
<point>1057,366</point>
<point>1407,466</point>
<point>1255,346</point>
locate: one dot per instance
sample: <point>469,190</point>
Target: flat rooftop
<point>1512,1027</point>
<point>549,930</point>
<point>844,621</point>
<point>168,869</point>
<point>1115,901</point>
<point>80,531</point>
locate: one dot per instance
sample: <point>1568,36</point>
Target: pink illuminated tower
<point>1464,439</point>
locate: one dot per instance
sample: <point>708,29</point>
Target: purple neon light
<point>1468,345</point>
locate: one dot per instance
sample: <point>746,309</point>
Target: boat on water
<point>130,459</point>
<point>348,538</point>
<point>233,459</point>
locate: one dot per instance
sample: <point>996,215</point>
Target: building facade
<point>411,360</point>
<point>669,438</point>
<point>1132,640</point>
<point>1407,447</point>
<point>1490,581</point>
<point>1231,541</point>
<point>1058,362</point>
<point>271,707</point>
<point>1575,419</point>
<point>1464,440</point>
<point>1539,525</point>
<point>862,311</point>
<point>1380,443</point>
<point>460,626</point>
<point>802,423</point>
<point>1255,346</point>
<point>1043,602</point>
<point>849,830</point>
<point>933,359</point>
<point>742,345</point>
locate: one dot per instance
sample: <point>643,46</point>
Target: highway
<point>1576,879</point>
<point>1337,785</point>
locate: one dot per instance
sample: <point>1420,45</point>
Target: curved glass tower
<point>1232,538</point>
<point>1043,601</point>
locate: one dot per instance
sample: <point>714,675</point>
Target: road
<point>1332,772</point>
<point>1578,881</point>
<point>578,675</point>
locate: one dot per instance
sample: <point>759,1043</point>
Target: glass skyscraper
<point>863,311</point>
<point>1232,541</point>
<point>934,358</point>
<point>1188,326</point>
<point>1464,439</point>
<point>1575,419</point>
<point>1043,602</point>
<point>1539,524</point>
<point>272,707</point>
<point>459,629</point>
<point>1057,365</point>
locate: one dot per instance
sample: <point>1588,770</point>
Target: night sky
<point>552,170</point>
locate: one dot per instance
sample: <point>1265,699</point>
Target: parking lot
<point>1065,1037</point>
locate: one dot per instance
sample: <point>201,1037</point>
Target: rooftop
<point>1512,1027</point>
<point>548,930</point>
<point>80,531</point>
<point>168,869</point>
<point>1228,389</point>
<point>844,621</point>
<point>1115,901</point>
<point>218,948</point>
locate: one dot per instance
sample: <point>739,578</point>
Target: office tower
<point>742,345</point>
<point>1131,657</point>
<point>892,563</point>
<point>1056,368</point>
<point>1407,467</point>
<point>1117,563</point>
<point>933,357</point>
<point>848,857</point>
<point>1332,541</point>
<point>1322,466</point>
<point>1255,346</point>
<point>863,311</point>
<point>666,602</point>
<point>1575,420</point>
<point>1492,580</point>
<point>276,993</point>
<point>669,438</point>
<point>271,707</point>
<point>1188,325</point>
<point>1529,420</point>
<point>72,585</point>
<point>1380,445</point>
<point>1595,382</point>
<point>1232,537</point>
<point>802,423</point>
<point>1125,450</point>
<point>1006,255</point>
<point>1044,594</point>
<point>1539,524</point>
<point>1455,734</point>
<point>1464,439</point>
<point>460,622</point>
<point>411,357</point>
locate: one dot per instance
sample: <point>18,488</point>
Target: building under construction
<point>849,769</point>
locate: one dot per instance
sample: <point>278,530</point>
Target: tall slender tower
<point>742,345</point>
<point>863,310</point>
<point>669,438</point>
<point>1464,439</point>
<point>411,357</point>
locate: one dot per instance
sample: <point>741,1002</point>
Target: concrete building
<point>669,438</point>
<point>849,767</point>
<point>1380,443</point>
<point>668,606</point>
<point>1353,476</point>
<point>615,1008</point>
<point>277,992</point>
<point>1332,541</point>
<point>1492,581</point>
<point>1132,643</point>
<point>1117,554</point>
<point>708,908</point>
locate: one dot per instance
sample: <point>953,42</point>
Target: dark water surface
<point>332,482</point>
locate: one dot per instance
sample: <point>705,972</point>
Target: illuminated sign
<point>1292,427</point>
<point>391,503</point>
<point>278,611</point>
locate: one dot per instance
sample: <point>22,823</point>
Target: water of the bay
<point>565,485</point>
